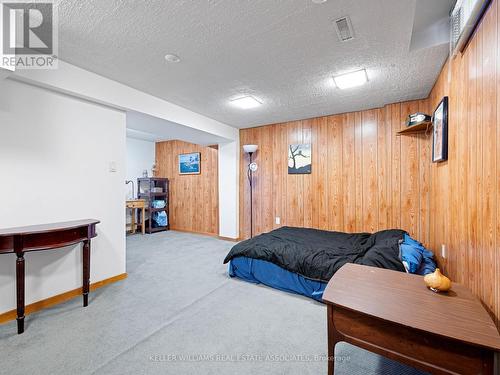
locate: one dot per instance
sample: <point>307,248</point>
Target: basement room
<point>250,187</point>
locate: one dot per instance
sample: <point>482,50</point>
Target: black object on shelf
<point>153,189</point>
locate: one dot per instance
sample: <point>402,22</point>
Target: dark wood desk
<point>393,314</point>
<point>44,237</point>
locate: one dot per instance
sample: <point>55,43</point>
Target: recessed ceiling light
<point>353,79</point>
<point>246,102</point>
<point>319,1</point>
<point>170,57</point>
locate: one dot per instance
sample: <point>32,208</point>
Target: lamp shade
<point>250,148</point>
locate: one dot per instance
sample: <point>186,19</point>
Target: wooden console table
<point>393,314</point>
<point>44,237</point>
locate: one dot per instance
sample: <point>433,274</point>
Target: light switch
<point>112,166</point>
<point>278,220</point>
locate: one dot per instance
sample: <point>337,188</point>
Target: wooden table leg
<point>132,224</point>
<point>143,220</point>
<point>86,272</point>
<point>20,292</point>
<point>331,344</point>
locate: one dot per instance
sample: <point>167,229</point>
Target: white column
<point>229,161</point>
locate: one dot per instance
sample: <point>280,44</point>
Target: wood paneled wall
<point>465,202</point>
<point>364,177</point>
<point>194,199</point>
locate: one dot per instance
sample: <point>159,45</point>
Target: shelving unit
<point>424,127</point>
<point>146,190</point>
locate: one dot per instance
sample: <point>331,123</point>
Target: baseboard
<point>229,239</point>
<point>55,300</point>
<point>194,232</point>
<point>207,234</point>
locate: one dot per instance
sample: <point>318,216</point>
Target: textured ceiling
<point>284,52</point>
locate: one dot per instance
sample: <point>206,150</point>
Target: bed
<point>302,260</point>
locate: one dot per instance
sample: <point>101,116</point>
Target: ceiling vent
<point>343,27</point>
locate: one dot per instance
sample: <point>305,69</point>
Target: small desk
<point>135,204</point>
<point>394,314</point>
<point>45,237</point>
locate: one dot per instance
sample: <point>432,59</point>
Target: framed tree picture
<point>189,163</point>
<point>299,159</point>
<point>440,132</point>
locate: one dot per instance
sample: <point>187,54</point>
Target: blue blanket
<point>260,271</point>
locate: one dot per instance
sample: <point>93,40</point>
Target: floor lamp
<point>252,167</point>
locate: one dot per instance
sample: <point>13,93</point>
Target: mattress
<point>318,254</point>
<point>259,271</point>
<point>302,260</point>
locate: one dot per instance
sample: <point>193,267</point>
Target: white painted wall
<point>55,152</point>
<point>80,83</point>
<point>87,85</point>
<point>140,156</point>
<point>228,189</point>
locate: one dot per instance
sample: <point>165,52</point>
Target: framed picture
<point>299,159</point>
<point>189,163</point>
<point>440,132</point>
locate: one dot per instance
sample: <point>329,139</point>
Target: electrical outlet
<point>278,220</point>
<point>443,251</point>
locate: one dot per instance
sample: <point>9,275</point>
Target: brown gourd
<point>437,282</point>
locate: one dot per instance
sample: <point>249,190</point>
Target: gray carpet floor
<point>179,313</point>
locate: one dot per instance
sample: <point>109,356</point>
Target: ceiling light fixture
<point>319,1</point>
<point>352,79</point>
<point>170,57</point>
<point>246,102</point>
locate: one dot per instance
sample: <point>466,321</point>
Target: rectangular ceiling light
<point>246,102</point>
<point>353,79</point>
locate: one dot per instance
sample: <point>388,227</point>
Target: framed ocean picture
<point>189,163</point>
<point>299,159</point>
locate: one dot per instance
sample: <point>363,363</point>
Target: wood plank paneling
<point>349,174</point>
<point>383,168</point>
<point>369,150</point>
<point>410,205</point>
<point>372,179</point>
<point>359,176</point>
<point>395,176</point>
<point>464,190</point>
<point>194,199</point>
<point>308,202</point>
<point>358,171</point>
<point>332,170</point>
<point>425,155</point>
<point>294,183</point>
<point>323,189</point>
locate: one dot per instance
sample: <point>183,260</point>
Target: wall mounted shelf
<point>422,128</point>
